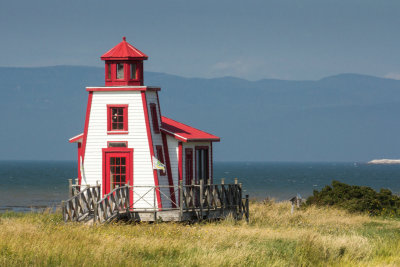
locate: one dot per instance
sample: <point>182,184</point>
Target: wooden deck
<point>194,202</point>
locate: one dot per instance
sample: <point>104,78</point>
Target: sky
<point>294,40</point>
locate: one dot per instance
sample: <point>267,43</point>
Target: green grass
<point>310,237</point>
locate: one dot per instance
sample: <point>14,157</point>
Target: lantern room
<point>124,65</point>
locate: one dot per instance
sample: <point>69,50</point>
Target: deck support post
<point>95,214</point>
<point>180,200</point>
<point>201,198</point>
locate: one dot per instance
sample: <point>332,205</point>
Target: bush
<point>357,199</point>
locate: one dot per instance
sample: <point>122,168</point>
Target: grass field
<point>274,237</point>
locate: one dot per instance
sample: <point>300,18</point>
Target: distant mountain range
<point>347,117</point>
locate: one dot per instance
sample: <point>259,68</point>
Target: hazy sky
<point>297,39</point>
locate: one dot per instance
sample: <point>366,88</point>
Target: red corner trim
<point>85,132</point>
<point>180,160</point>
<point>149,137</point>
<point>169,172</point>
<point>212,163</point>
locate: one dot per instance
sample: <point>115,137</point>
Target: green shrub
<point>357,199</point>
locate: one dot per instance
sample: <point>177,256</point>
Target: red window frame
<point>124,129</point>
<point>160,157</point>
<point>154,117</point>
<point>118,152</point>
<point>188,166</point>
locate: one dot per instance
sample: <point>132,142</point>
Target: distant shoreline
<point>384,161</point>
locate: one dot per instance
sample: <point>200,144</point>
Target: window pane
<point>123,161</point>
<point>114,126</point>
<point>108,71</point>
<point>133,71</point>
<point>120,111</point>
<point>120,71</point>
<point>116,144</point>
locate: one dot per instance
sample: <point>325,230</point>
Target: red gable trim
<point>76,138</point>
<point>122,88</point>
<point>185,133</point>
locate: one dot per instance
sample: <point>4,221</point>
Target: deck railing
<point>82,204</point>
<point>200,199</point>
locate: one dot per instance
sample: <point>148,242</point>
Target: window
<point>117,172</point>
<point>117,120</point>
<point>108,71</point>
<point>154,117</point>
<point>188,166</point>
<point>160,157</point>
<point>133,72</point>
<point>202,172</point>
<point>117,144</point>
<point>120,71</point>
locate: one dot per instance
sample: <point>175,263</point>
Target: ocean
<point>38,184</point>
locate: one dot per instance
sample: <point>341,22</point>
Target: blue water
<point>26,184</point>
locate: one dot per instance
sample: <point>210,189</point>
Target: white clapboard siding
<point>173,151</point>
<point>151,97</point>
<point>193,145</point>
<point>97,138</point>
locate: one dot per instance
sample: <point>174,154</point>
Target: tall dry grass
<point>274,237</point>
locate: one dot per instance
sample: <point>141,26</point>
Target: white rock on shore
<point>384,161</point>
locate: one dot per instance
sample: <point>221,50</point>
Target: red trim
<point>79,162</point>
<point>169,172</point>
<point>211,163</point>
<point>154,118</point>
<point>85,132</point>
<point>125,117</point>
<point>76,138</point>
<point>149,137</point>
<point>180,169</point>
<point>130,161</point>
<point>185,132</point>
<point>125,142</point>
<point>180,160</point>
<point>122,88</point>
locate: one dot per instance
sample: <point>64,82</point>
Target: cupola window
<point>109,71</point>
<point>120,71</point>
<point>133,72</point>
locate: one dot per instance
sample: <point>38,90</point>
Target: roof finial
<point>124,39</point>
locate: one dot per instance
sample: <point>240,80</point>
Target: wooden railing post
<point>247,208</point>
<point>201,198</point>
<point>222,195</point>
<point>70,193</point>
<point>95,213</point>
<point>180,200</point>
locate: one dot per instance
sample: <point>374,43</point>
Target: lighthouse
<point>126,140</point>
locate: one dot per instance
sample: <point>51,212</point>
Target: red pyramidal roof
<point>124,51</point>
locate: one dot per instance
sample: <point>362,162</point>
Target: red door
<point>117,168</point>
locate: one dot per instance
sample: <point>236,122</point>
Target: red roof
<point>184,132</point>
<point>124,51</point>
